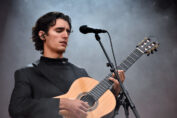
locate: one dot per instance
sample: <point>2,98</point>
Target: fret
<point>134,56</point>
<point>95,93</point>
<point>123,66</point>
<point>138,52</point>
<point>101,88</point>
<point>108,81</point>
<point>127,63</point>
<point>99,94</point>
<point>107,84</point>
<point>119,68</point>
<point>131,59</point>
<point>98,89</point>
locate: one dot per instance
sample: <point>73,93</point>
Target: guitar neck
<point>105,84</point>
<point>130,60</point>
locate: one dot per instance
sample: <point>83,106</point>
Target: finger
<point>111,78</point>
<point>121,75</point>
<point>83,108</point>
<point>119,71</point>
<point>85,104</point>
<point>114,80</point>
<point>82,114</point>
<point>116,83</point>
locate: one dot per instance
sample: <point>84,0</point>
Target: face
<point>57,38</point>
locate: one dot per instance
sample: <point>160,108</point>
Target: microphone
<point>84,29</point>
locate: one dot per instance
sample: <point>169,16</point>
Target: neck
<point>53,55</point>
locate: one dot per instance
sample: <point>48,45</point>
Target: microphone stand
<point>127,102</point>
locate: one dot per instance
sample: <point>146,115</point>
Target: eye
<point>62,29</point>
<point>69,31</point>
<point>59,30</point>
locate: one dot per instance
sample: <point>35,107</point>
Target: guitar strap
<point>34,64</point>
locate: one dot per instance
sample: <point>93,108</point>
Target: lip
<point>63,43</point>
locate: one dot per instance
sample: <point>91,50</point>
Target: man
<point>36,86</point>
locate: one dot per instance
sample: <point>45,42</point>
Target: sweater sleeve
<point>23,105</point>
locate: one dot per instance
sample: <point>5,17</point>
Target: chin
<point>61,50</point>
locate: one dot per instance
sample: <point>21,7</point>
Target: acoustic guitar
<point>98,95</point>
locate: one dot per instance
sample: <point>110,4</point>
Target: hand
<point>77,108</point>
<point>116,85</point>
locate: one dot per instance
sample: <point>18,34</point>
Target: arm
<point>23,105</point>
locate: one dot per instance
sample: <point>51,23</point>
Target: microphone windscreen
<point>83,29</point>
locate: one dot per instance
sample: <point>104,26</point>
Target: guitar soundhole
<point>89,99</point>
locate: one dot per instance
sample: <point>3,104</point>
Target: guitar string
<point>97,92</point>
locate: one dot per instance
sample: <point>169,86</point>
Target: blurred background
<point>151,81</point>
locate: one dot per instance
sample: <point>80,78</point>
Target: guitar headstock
<point>147,47</point>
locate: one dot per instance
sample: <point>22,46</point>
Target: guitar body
<point>105,104</point>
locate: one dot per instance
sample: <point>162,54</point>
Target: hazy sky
<point>151,81</point>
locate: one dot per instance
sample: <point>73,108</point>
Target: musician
<point>37,85</point>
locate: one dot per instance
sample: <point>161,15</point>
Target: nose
<point>65,34</point>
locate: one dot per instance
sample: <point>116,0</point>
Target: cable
<point>115,63</point>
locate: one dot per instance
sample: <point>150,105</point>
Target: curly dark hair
<point>43,24</point>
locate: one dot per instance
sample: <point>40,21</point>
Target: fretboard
<point>106,84</point>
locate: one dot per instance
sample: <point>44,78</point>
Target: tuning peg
<point>148,39</point>
<point>154,43</point>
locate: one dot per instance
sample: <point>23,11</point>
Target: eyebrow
<point>61,28</point>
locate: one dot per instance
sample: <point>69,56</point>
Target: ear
<point>42,35</point>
